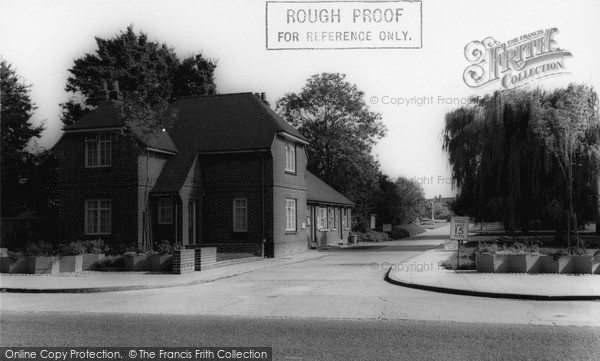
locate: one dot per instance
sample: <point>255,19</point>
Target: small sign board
<point>387,227</point>
<point>459,228</point>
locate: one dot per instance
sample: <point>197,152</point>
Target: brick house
<point>228,171</point>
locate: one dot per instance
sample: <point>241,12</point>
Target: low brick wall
<point>205,257</point>
<point>184,261</point>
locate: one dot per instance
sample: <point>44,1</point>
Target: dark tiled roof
<point>155,140</point>
<point>219,123</point>
<point>319,191</point>
<point>108,115</point>
<point>229,122</point>
<point>104,116</point>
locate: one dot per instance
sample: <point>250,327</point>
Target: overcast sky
<point>42,38</point>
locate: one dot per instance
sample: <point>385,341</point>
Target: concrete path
<point>123,281</point>
<point>425,272</point>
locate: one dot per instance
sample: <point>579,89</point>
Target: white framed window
<point>336,214</point>
<point>240,215</point>
<point>290,156</point>
<point>322,218</point>
<point>330,218</point>
<point>345,218</point>
<point>98,150</point>
<point>290,214</point>
<point>97,216</point>
<point>165,211</point>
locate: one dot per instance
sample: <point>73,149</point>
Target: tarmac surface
<point>421,272</point>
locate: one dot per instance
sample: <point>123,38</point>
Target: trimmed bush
<point>406,230</point>
<point>373,236</point>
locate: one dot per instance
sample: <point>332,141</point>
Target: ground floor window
<point>240,215</point>
<point>290,214</point>
<point>165,210</point>
<point>97,216</point>
<point>322,218</point>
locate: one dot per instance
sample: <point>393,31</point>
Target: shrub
<point>467,261</point>
<point>165,247</point>
<point>372,236</point>
<point>406,230</point>
<point>95,246</point>
<point>40,248</point>
<point>111,261</point>
<point>400,232</point>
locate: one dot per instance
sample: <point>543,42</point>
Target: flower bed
<point>520,263</point>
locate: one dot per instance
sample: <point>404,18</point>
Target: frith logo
<point>516,62</point>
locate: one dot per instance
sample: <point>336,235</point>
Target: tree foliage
<point>526,154</point>
<point>150,69</point>
<point>332,114</point>
<point>399,201</point>
<point>26,176</point>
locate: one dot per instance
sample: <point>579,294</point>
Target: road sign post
<point>459,231</point>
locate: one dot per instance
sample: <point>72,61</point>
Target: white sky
<point>42,38</point>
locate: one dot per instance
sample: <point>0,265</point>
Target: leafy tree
<point>526,154</point>
<point>149,68</point>
<point>149,75</point>
<point>17,131</point>
<point>332,114</point>
<point>194,76</point>
<point>400,201</point>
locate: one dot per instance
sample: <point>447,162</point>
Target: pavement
<point>91,281</point>
<point>425,272</point>
<point>421,272</point>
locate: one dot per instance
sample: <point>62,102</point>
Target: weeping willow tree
<point>522,155</point>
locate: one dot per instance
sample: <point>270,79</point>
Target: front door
<point>193,222</point>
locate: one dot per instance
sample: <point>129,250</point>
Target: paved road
<point>307,339</point>
<point>334,307</point>
<point>342,284</point>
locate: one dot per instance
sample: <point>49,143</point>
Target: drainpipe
<point>175,218</point>
<point>262,191</point>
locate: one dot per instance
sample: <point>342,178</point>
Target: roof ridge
<point>211,96</point>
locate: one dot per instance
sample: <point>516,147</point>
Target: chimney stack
<point>102,95</point>
<point>115,94</point>
<point>263,98</point>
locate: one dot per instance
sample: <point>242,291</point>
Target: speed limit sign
<point>459,228</point>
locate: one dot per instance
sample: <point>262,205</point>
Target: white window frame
<point>322,218</point>
<point>240,205</point>
<point>345,218</point>
<point>330,218</point>
<point>92,205</point>
<point>165,204</point>
<point>335,218</point>
<point>290,215</point>
<point>103,150</point>
<point>290,156</point>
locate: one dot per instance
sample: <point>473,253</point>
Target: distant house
<point>228,171</point>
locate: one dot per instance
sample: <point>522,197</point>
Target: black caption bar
<point>135,353</point>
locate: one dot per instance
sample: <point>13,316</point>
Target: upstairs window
<point>290,157</point>
<point>97,216</point>
<point>97,150</point>
<point>165,211</point>
<point>240,215</point>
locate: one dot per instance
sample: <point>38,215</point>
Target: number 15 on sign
<point>459,228</point>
